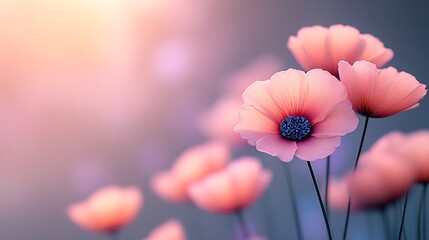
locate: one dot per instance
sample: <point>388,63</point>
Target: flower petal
<point>277,146</point>
<point>317,148</point>
<point>340,121</point>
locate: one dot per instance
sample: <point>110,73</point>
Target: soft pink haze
<point>218,122</point>
<point>321,47</point>
<point>316,96</point>
<point>192,165</point>
<point>380,93</point>
<point>170,230</point>
<point>108,209</point>
<point>234,188</point>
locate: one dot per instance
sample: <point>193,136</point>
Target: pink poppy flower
<point>415,150</point>
<point>380,93</point>
<point>296,113</point>
<point>233,188</point>
<point>108,209</point>
<point>219,121</point>
<point>380,179</point>
<point>192,165</point>
<point>170,230</point>
<point>321,47</point>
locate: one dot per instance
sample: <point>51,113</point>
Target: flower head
<point>192,165</point>
<point>381,178</point>
<point>108,209</point>
<point>233,188</point>
<point>415,150</point>
<point>296,113</point>
<point>321,47</point>
<point>380,93</point>
<point>219,121</point>
<point>170,230</point>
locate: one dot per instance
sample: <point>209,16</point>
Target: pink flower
<point>380,93</point>
<point>415,150</point>
<point>295,113</point>
<point>192,165</point>
<point>108,209</point>
<point>233,188</point>
<point>321,47</point>
<point>381,178</point>
<point>170,230</point>
<point>219,121</point>
<point>338,195</point>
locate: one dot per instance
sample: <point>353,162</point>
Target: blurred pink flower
<point>380,178</point>
<point>219,121</point>
<point>416,151</point>
<point>170,230</point>
<point>338,195</point>
<point>192,165</point>
<point>380,93</point>
<point>233,188</point>
<point>108,209</point>
<point>295,113</point>
<point>321,47</point>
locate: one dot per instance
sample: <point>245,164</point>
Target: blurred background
<point>101,92</point>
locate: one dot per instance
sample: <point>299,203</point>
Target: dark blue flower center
<point>295,128</point>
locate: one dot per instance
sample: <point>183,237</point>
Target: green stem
<point>325,217</point>
<point>365,126</point>
<point>244,231</point>
<point>293,200</point>
<point>328,161</point>
<point>403,217</point>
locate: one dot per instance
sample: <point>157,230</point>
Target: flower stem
<point>242,222</point>
<point>365,126</point>
<point>325,217</point>
<point>403,217</point>
<point>422,212</point>
<point>293,200</point>
<point>385,221</point>
<point>328,161</point>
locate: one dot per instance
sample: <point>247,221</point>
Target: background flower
<point>233,188</point>
<point>191,166</point>
<point>108,209</point>
<point>321,47</point>
<point>170,230</point>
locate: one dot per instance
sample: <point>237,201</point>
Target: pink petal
<point>277,146</point>
<point>374,51</point>
<point>340,121</point>
<point>298,52</point>
<point>319,94</point>
<point>343,43</point>
<point>313,42</point>
<point>317,148</point>
<point>257,95</point>
<point>168,187</point>
<point>170,230</point>
<point>253,121</point>
<point>215,193</point>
